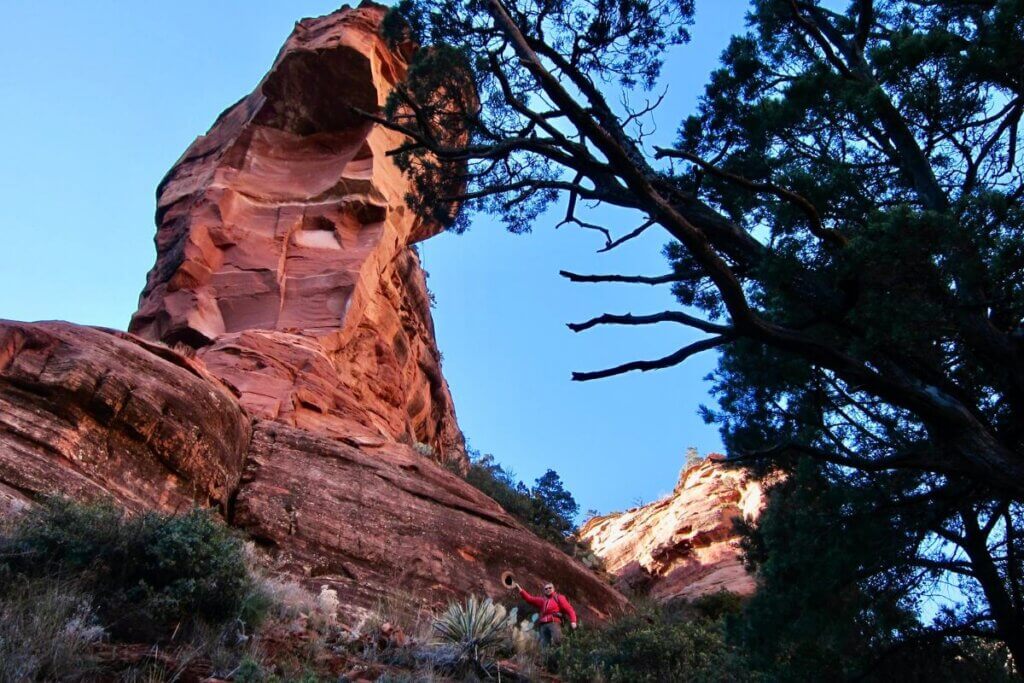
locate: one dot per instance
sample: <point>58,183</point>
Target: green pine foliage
<point>839,598</point>
<point>547,508</point>
<point>845,216</point>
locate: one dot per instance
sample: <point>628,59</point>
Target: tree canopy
<point>843,215</point>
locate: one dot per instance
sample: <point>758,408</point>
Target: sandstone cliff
<point>684,545</point>
<point>285,249</point>
<point>282,364</point>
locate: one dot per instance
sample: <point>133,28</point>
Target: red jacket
<point>550,608</point>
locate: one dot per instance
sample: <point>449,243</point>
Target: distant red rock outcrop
<point>684,545</point>
<point>282,365</point>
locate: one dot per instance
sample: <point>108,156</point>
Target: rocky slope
<point>282,364</point>
<point>684,545</point>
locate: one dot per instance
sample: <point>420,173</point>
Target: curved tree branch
<point>666,362</point>
<point>652,319</point>
<point>634,279</point>
<point>828,235</point>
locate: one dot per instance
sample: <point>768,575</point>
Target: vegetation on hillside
<point>80,579</point>
<point>546,508</point>
<point>146,576</point>
<point>89,592</point>
<point>654,644</point>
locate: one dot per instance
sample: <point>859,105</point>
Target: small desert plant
<point>425,449</point>
<point>250,670</point>
<point>528,656</point>
<point>474,631</point>
<point>286,599</point>
<point>401,609</point>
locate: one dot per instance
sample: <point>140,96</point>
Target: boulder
<point>96,413</point>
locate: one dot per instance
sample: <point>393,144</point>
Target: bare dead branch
<point>628,236</point>
<point>633,279</point>
<point>530,184</point>
<point>654,318</point>
<point>666,362</point>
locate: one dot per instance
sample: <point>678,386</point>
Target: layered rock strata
<point>684,545</point>
<point>370,519</point>
<point>285,250</point>
<point>88,413</point>
<point>282,365</point>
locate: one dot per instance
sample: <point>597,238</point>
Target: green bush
<point>716,606</point>
<point>148,575</point>
<point>651,645</point>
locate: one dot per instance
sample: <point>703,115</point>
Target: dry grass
<point>47,630</point>
<point>528,656</point>
<point>402,610</point>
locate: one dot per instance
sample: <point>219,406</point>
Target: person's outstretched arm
<point>563,602</point>
<point>532,599</point>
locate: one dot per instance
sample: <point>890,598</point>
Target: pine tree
<point>845,226</point>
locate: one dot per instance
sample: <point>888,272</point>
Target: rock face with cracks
<point>282,365</point>
<point>285,250</point>
<point>368,519</point>
<point>684,545</point>
<point>87,413</point>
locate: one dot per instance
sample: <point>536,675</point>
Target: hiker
<point>554,609</point>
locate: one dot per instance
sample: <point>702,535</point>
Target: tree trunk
<point>1009,621</point>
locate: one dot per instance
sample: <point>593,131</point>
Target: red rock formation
<point>684,545</point>
<point>87,412</point>
<point>94,413</point>
<point>284,249</point>
<point>284,332</point>
<point>367,519</point>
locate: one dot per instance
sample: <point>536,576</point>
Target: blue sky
<point>97,101</point>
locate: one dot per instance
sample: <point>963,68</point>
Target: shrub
<point>148,575</point>
<point>651,645</point>
<point>716,606</point>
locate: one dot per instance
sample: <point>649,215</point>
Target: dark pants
<point>550,633</point>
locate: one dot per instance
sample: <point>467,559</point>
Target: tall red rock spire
<point>285,249</point>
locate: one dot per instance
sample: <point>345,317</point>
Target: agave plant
<point>474,630</point>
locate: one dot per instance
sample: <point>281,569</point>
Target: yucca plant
<point>475,630</point>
